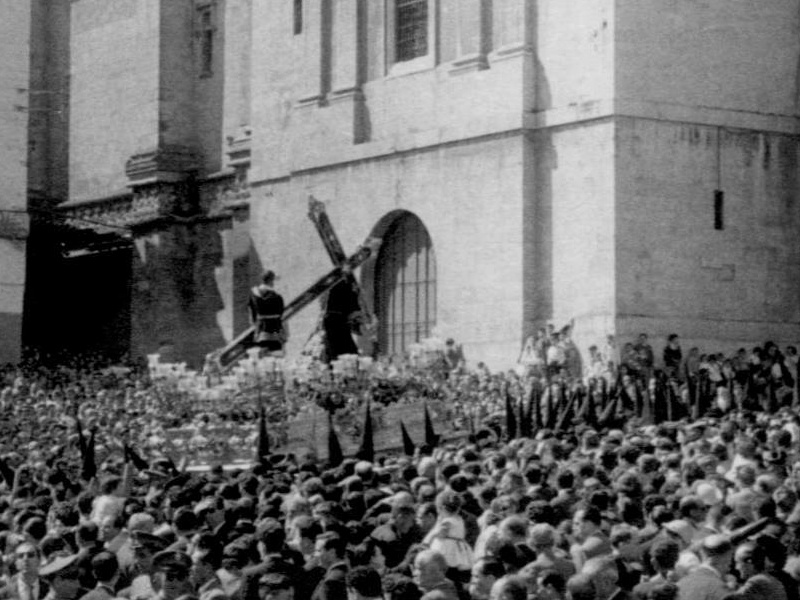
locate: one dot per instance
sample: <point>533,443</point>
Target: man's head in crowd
<point>364,583</point>
<point>26,559</point>
<point>749,560</point>
<point>145,546</point>
<point>483,576</point>
<point>63,576</point>
<point>586,523</point>
<point>426,516</point>
<point>429,569</point>
<point>403,517</point>
<point>717,552</point>
<point>105,567</point>
<point>171,574</point>
<point>604,574</point>
<point>509,587</point>
<point>111,526</point>
<point>329,549</point>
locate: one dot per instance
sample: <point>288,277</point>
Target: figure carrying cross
<point>345,311</point>
<point>342,272</point>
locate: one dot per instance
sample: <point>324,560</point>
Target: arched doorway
<point>405,285</point>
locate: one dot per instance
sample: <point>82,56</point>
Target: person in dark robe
<point>340,318</point>
<point>266,313</point>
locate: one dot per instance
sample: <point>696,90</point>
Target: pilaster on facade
<point>473,37</point>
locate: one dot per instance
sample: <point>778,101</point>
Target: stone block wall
<point>733,55</point>
<point>184,280</point>
<point>114,105</point>
<point>719,289</point>
<point>15,23</point>
<point>574,232</point>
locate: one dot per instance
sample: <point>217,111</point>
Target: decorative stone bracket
<point>165,164</point>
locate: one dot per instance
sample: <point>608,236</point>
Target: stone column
<point>348,40</point>
<point>313,75</point>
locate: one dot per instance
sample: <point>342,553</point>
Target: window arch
<point>405,285</point>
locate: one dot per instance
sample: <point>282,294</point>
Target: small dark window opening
<point>411,29</point>
<point>719,199</point>
<point>298,17</point>
<point>206,41</point>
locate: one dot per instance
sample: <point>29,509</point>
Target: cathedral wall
<point>235,68</point>
<point>15,26</point>
<point>178,71</point>
<point>729,54</point>
<point>717,289</point>
<point>314,112</point>
<point>114,109</point>
<point>574,48</point>
<point>469,198</point>
<point>574,230</point>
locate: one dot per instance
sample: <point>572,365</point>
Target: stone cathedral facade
<point>628,165</point>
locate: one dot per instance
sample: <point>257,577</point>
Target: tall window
<point>410,29</point>
<point>405,286</point>
<point>298,17</point>
<point>206,35</point>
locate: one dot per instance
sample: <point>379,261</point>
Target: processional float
<point>343,269</point>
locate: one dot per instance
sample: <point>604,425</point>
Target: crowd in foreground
<point>704,506</point>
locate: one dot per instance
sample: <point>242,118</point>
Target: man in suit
<point>663,557</point>
<point>89,545</point>
<point>750,561</point>
<point>329,551</point>
<point>706,581</point>
<point>105,569</point>
<point>429,575</point>
<point>266,313</point>
<point>26,583</point>
<point>63,576</point>
<point>543,540</point>
<point>171,569</point>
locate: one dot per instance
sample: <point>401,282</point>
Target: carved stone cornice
<point>226,195</point>
<point>146,205</point>
<point>165,164</point>
<point>162,203</point>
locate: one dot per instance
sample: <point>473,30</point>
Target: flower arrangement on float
<point>217,414</point>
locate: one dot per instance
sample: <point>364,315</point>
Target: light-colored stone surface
<point>114,103</point>
<point>726,54</point>
<point>675,271</point>
<point>14,115</point>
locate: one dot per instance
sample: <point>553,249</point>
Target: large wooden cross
<point>342,270</point>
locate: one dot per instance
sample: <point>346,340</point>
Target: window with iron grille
<point>405,286</point>
<point>411,29</point>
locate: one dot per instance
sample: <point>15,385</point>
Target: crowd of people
<point>628,478</point>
